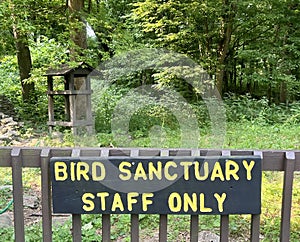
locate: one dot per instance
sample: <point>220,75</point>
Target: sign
<point>156,185</point>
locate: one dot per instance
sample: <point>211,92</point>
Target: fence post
<point>224,228</point>
<point>16,163</point>
<point>194,225</point>
<point>163,218</point>
<point>76,218</point>
<point>105,217</point>
<point>46,195</point>
<point>134,217</point>
<point>255,218</point>
<point>287,194</point>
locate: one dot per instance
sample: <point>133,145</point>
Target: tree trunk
<point>78,29</point>
<point>283,92</point>
<point>25,65</point>
<point>79,38</point>
<point>226,32</point>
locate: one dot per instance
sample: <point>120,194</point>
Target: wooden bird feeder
<point>72,84</point>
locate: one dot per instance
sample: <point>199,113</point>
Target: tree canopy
<point>246,46</point>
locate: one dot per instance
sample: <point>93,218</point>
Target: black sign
<point>156,185</point>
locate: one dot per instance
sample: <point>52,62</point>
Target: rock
<point>207,236</point>
<point>57,135</point>
<point>6,107</point>
<point>9,129</point>
<point>7,121</point>
<point>31,202</point>
<point>5,221</point>
<point>60,220</point>
<point>6,187</point>
<point>3,137</point>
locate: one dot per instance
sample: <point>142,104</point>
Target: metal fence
<point>18,158</point>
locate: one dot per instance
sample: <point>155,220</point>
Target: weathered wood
<point>134,229</point>
<point>255,227</point>
<point>18,194</point>
<point>76,218</point>
<point>224,228</point>
<point>163,219</point>
<point>46,196</point>
<point>38,157</point>
<point>287,195</point>
<point>78,103</point>
<point>106,225</point>
<point>70,92</point>
<point>77,123</point>
<point>5,159</point>
<point>194,228</point>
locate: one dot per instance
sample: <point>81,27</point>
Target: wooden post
<point>50,102</point>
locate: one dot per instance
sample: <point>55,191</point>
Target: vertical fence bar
<point>255,228</point>
<point>134,217</point>
<point>255,218</point>
<point>105,227</point>
<point>194,224</point>
<point>163,227</point>
<point>16,164</point>
<point>134,227</point>
<point>46,196</point>
<point>287,194</point>
<point>163,218</point>
<point>105,217</point>
<point>224,227</point>
<point>76,218</point>
<point>194,227</point>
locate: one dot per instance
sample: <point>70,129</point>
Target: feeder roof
<point>65,69</point>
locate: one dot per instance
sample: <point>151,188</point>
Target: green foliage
<point>262,59</point>
<point>261,38</point>
<point>45,53</point>
<point>262,111</point>
<point>104,104</point>
<point>9,84</point>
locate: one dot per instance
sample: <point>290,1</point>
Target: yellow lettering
<point>231,172</point>
<point>217,172</point>
<point>168,176</point>
<point>140,172</point>
<point>60,171</point>
<point>72,171</point>
<point>189,202</point>
<point>175,206</point>
<point>220,200</point>
<point>198,176</point>
<point>131,199</point>
<point>157,171</point>
<point>186,165</point>
<point>127,174</point>
<point>89,204</point>
<point>202,204</point>
<point>249,168</point>
<point>145,200</point>
<point>117,203</point>
<point>82,172</point>
<point>99,165</point>
<point>102,196</point>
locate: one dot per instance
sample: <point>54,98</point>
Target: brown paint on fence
<point>17,158</point>
<point>46,196</point>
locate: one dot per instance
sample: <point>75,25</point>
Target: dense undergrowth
<point>250,124</point>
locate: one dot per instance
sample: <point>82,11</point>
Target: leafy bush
<point>261,111</point>
<point>45,53</point>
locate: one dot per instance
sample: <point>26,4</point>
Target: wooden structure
<point>19,158</point>
<point>76,86</point>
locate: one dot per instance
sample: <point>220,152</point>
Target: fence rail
<point>18,158</point>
